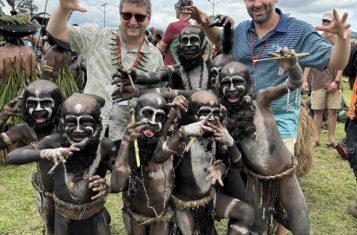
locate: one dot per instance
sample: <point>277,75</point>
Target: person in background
<point>326,91</point>
<point>106,50</point>
<point>350,71</point>
<point>168,44</point>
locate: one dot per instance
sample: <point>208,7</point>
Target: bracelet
<point>337,82</point>
<point>6,139</point>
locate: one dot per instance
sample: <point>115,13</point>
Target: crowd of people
<point>191,124</point>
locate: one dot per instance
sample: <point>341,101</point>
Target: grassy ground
<point>328,188</point>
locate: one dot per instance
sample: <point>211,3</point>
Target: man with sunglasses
<point>106,50</point>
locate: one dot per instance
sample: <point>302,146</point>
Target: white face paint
<point>232,87</point>
<point>204,111</point>
<point>191,40</point>
<point>78,108</point>
<point>40,104</point>
<point>153,116</point>
<point>79,127</point>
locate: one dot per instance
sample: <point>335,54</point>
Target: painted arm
<point>222,135</point>
<point>121,170</point>
<point>19,133</point>
<point>127,92</point>
<point>294,81</point>
<point>57,25</point>
<point>141,78</point>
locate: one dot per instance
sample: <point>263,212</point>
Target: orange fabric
<point>351,110</point>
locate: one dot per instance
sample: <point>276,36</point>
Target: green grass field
<point>329,188</point>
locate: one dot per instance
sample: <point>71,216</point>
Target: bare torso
<point>266,153</point>
<point>191,173</point>
<point>152,199</point>
<point>16,58</point>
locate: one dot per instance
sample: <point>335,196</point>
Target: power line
<point>214,3</point>
<point>104,10</point>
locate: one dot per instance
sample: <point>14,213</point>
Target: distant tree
<point>22,6</point>
<point>27,6</point>
<point>2,4</point>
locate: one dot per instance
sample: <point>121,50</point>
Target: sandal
<point>341,151</point>
<point>331,145</point>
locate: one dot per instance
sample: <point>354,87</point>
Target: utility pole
<point>103,10</point>
<point>214,3</point>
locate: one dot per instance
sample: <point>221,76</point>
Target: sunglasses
<point>138,17</point>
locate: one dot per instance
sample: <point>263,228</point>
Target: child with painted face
<point>81,159</point>
<point>270,165</point>
<point>40,104</point>
<point>146,180</point>
<point>206,146</point>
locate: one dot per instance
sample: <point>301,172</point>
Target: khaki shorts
<point>321,99</point>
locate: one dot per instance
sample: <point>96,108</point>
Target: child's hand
<point>287,60</point>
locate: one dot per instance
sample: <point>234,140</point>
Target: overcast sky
<point>163,10</point>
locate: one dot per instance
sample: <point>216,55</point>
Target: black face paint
<point>40,105</point>
<point>40,109</point>
<point>191,47</point>
<point>152,108</point>
<point>80,119</point>
<point>233,88</point>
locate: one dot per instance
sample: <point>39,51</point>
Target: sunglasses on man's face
<point>138,17</point>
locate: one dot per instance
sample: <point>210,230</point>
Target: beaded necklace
<point>138,54</point>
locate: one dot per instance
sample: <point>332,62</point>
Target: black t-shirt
<point>351,67</point>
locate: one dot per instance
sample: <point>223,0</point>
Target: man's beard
<point>80,161</point>
<point>189,62</point>
<point>240,118</point>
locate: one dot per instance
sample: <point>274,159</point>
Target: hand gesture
<point>222,135</point>
<point>72,5</point>
<point>338,26</point>
<point>9,110</point>
<point>196,129</point>
<point>97,184</point>
<point>133,131</point>
<point>125,90</point>
<point>215,174</point>
<point>57,155</point>
<point>179,104</point>
<point>287,60</point>
<point>223,21</point>
<point>197,14</point>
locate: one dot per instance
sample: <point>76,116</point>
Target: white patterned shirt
<point>99,48</point>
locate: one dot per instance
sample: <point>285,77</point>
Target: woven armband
<point>6,139</point>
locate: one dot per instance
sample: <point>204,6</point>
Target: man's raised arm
<point>57,25</point>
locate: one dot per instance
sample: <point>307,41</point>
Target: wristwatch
<point>337,82</point>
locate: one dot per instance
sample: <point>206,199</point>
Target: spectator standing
<point>326,91</point>
<point>168,43</point>
<point>105,50</point>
